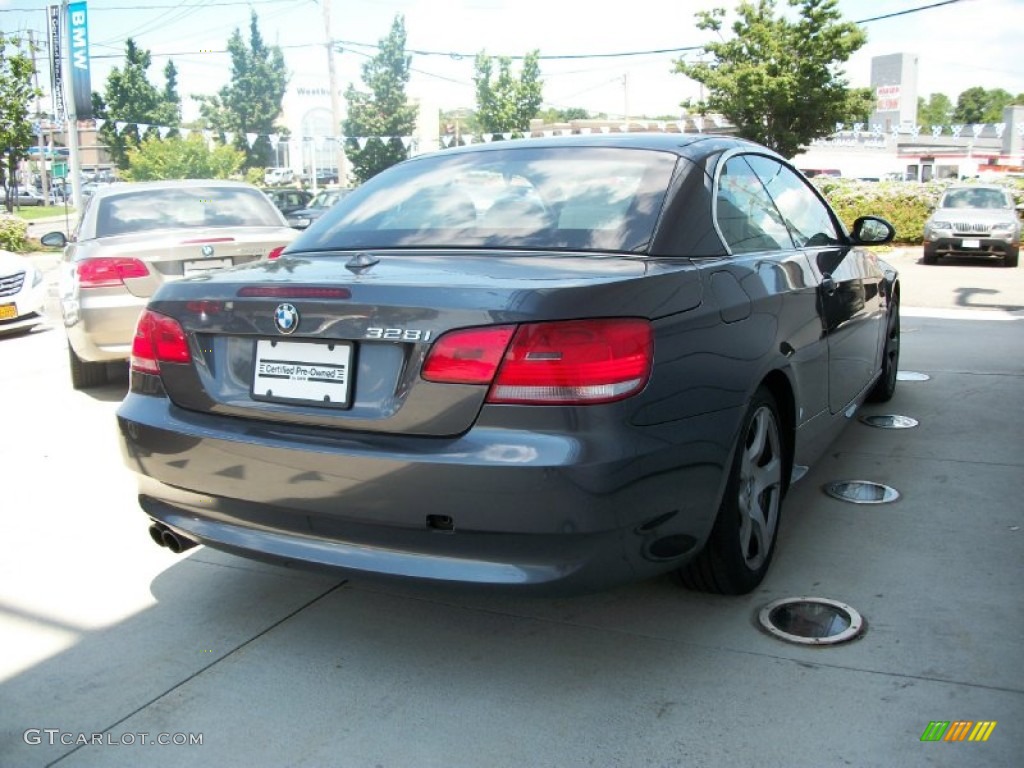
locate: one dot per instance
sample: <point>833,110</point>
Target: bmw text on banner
<point>78,32</point>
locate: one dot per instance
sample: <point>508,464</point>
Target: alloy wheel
<point>760,487</point>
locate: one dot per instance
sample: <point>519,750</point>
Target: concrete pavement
<point>106,634</point>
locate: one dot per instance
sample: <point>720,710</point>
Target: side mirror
<point>54,240</point>
<point>872,230</point>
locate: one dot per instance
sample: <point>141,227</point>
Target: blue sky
<point>966,43</point>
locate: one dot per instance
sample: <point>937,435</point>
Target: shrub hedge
<point>13,233</point>
<point>905,204</point>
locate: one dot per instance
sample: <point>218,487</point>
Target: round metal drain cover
<point>811,620</point>
<point>911,376</point>
<point>889,421</point>
<point>861,492</point>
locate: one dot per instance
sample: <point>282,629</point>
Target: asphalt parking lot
<point>107,637</point>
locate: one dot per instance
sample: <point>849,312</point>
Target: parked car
<point>612,376</point>
<point>23,196</point>
<point>132,238</point>
<point>276,176</point>
<point>324,200</point>
<point>22,293</point>
<point>289,200</point>
<point>327,176</point>
<point>973,220</point>
<point>810,173</point>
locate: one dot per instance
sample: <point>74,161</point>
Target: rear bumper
<point>496,506</point>
<point>102,330</point>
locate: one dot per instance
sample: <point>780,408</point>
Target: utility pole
<point>625,95</point>
<point>44,177</point>
<point>332,78</point>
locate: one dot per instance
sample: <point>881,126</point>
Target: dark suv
<point>288,200</point>
<point>324,199</point>
<point>973,220</point>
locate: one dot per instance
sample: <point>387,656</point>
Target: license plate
<point>8,311</point>
<point>303,372</point>
<point>970,243</point>
<point>204,265</point>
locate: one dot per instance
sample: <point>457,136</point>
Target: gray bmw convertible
<point>559,364</point>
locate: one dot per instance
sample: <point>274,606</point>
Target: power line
<point>624,54</point>
<point>894,14</point>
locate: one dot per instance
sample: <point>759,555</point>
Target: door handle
<point>828,285</point>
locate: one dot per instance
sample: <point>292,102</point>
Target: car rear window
<point>149,209</point>
<point>547,198</point>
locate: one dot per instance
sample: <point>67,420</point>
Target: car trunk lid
<point>376,315</point>
<point>172,256</point>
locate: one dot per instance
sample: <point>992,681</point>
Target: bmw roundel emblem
<point>207,251</point>
<point>286,318</point>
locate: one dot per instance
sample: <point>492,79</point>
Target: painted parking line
<point>962,314</point>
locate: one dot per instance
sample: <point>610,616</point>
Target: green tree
<point>553,115</point>
<point>178,158</point>
<point>16,95</point>
<point>860,103</point>
<point>505,103</point>
<point>251,102</point>
<point>170,93</point>
<point>937,110</point>
<point>384,111</point>
<point>130,98</point>
<point>777,80</point>
<point>980,105</point>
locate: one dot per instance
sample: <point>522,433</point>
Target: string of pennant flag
<point>957,129</point>
<point>697,124</point>
<point>275,139</point>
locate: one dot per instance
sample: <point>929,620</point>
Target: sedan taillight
<point>158,339</point>
<point>109,271</point>
<point>568,362</point>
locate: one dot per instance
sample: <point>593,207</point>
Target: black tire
<point>930,256</point>
<point>885,387</point>
<point>85,375</point>
<point>736,556</point>
<point>1011,257</point>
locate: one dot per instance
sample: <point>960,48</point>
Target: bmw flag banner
<point>81,87</point>
<point>53,31</point>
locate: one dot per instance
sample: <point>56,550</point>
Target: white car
<point>22,293</point>
<point>274,176</point>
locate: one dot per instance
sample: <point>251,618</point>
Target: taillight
<point>276,253</point>
<point>158,339</point>
<point>469,356</point>
<point>569,362</point>
<point>109,271</point>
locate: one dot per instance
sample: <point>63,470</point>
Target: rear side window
<point>745,214</point>
<point>595,198</point>
<point>152,209</point>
